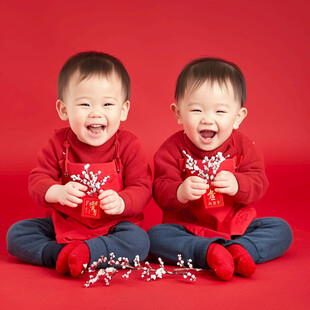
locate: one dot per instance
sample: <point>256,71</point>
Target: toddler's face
<point>209,114</point>
<point>94,107</point>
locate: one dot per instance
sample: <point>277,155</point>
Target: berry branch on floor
<point>151,274</point>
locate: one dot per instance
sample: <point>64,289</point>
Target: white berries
<point>210,166</point>
<point>148,271</point>
<point>90,180</point>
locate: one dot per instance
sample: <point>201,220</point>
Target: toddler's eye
<point>220,111</point>
<point>195,110</point>
<point>84,104</point>
<point>107,104</point>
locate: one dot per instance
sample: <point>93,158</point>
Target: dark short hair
<point>92,63</point>
<point>218,70</point>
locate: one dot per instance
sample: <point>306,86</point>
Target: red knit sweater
<point>233,218</point>
<point>136,177</point>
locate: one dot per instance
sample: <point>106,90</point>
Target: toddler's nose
<point>208,120</point>
<point>95,114</point>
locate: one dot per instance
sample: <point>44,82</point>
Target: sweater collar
<point>72,138</point>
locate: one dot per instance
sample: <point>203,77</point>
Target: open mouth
<point>207,134</point>
<point>96,129</point>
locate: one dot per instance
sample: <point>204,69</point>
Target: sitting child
<point>208,176</point>
<point>92,177</point>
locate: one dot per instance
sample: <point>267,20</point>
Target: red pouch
<point>91,208</point>
<point>212,199</point>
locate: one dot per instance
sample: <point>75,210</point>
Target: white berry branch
<point>150,273</point>
<point>90,179</point>
<point>210,167</point>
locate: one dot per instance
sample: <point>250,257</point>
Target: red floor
<point>279,284</point>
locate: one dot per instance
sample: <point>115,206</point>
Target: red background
<point>269,40</point>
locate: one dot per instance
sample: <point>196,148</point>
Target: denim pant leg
<point>169,240</point>
<point>125,240</point>
<point>26,239</point>
<point>265,239</point>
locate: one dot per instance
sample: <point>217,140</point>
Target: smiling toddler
<point>209,175</point>
<point>92,177</point>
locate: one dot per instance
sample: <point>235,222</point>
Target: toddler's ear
<point>176,111</point>
<point>243,112</point>
<point>62,110</point>
<point>124,110</point>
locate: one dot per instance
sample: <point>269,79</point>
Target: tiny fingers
<point>223,190</point>
<point>199,186</point>
<point>72,200</point>
<point>76,191</point>
<point>220,184</point>
<point>112,203</point>
<point>107,200</point>
<point>71,203</point>
<point>198,193</point>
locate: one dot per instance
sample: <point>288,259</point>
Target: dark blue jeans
<point>27,239</point>
<point>265,239</point>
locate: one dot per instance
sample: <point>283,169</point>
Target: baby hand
<point>191,189</point>
<point>110,202</point>
<point>225,183</point>
<point>69,194</point>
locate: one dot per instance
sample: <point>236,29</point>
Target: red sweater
<point>136,177</point>
<point>236,215</point>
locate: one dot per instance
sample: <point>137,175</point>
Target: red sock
<point>220,261</point>
<point>62,266</point>
<point>244,264</point>
<point>77,259</point>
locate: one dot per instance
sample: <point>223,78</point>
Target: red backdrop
<point>269,40</point>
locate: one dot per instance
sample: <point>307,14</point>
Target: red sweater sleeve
<point>47,172</point>
<point>137,176</point>
<point>168,175</point>
<point>251,175</point>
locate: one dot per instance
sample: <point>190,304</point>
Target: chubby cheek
<point>76,124</point>
<point>78,128</point>
<point>190,123</point>
<point>190,132</point>
<point>226,124</point>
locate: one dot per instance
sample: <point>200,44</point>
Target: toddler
<point>208,176</point>
<point>92,177</point>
